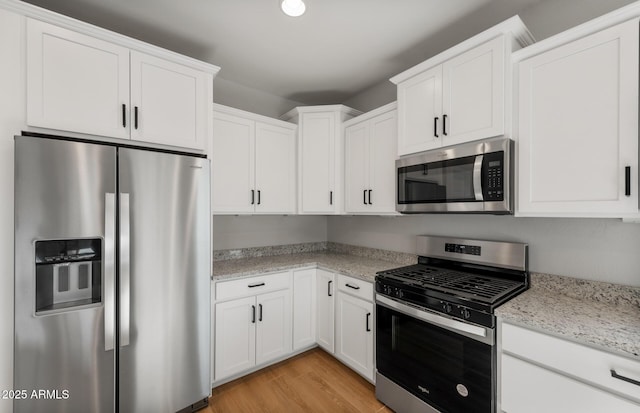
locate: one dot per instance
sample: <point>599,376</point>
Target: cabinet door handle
<point>355,287</point>
<point>124,115</point>
<point>330,197</point>
<point>444,125</point>
<point>370,202</point>
<point>364,197</point>
<point>623,378</point>
<point>435,127</point>
<point>256,285</point>
<point>253,197</point>
<point>368,328</point>
<point>627,180</point>
<point>260,312</point>
<point>329,289</point>
<point>135,117</point>
<point>253,314</point>
<point>258,197</point>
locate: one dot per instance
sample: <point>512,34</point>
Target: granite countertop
<point>353,265</point>
<point>599,314</point>
<point>603,315</point>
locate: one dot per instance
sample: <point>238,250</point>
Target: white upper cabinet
<point>253,164</point>
<point>370,154</point>
<point>459,95</point>
<point>79,83</point>
<point>76,82</point>
<point>577,122</point>
<point>169,102</point>
<point>321,157</point>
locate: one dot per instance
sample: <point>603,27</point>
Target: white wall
<point>260,231</point>
<point>594,249</point>
<point>12,118</point>
<point>252,100</point>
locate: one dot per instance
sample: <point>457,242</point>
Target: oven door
<point>446,363</point>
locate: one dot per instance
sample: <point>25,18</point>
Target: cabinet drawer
<point>577,360</point>
<point>356,287</point>
<point>227,290</point>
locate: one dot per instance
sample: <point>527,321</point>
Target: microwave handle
<point>477,177</point>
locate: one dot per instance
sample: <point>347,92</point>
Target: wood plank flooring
<point>311,382</point>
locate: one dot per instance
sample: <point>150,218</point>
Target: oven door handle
<point>475,332</point>
<point>477,177</point>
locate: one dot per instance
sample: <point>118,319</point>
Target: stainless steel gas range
<point>435,337</point>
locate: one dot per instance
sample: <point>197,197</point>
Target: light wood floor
<point>310,382</point>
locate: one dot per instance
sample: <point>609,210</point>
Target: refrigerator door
<point>64,245</point>
<point>164,281</point>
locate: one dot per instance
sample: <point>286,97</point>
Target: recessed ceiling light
<point>293,8</point>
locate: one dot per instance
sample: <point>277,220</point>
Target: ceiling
<point>336,50</point>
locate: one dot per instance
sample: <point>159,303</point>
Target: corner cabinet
<point>578,125</point>
<point>459,95</point>
<point>320,157</point>
<point>253,164</point>
<point>325,309</point>
<point>80,83</point>
<point>566,376</point>
<point>354,325</point>
<point>370,153</point>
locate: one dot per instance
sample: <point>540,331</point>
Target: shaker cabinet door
<point>235,337</point>
<point>273,326</point>
<point>168,102</point>
<point>357,167</point>
<point>578,127</point>
<point>75,82</point>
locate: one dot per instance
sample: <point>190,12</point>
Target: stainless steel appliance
<point>112,264</point>
<point>473,177</point>
<point>435,336</point>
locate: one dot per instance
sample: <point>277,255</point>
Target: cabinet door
<point>578,127</point>
<point>232,164</point>
<point>275,169</point>
<point>354,327</point>
<point>317,163</point>
<point>304,308</point>
<point>527,388</point>
<point>325,293</point>
<point>473,93</point>
<point>357,162</point>
<point>273,328</point>
<point>419,104</point>
<point>382,156</point>
<point>170,101</point>
<point>235,337</point>
<point>75,82</point>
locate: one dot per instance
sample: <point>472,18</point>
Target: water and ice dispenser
<point>68,274</point>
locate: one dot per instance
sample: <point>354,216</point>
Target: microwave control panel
<point>493,176</point>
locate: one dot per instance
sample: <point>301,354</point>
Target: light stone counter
<point>603,315</point>
<point>356,266</point>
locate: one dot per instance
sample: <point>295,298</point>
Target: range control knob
<point>466,314</point>
<point>446,307</point>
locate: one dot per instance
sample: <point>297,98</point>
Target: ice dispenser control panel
<point>68,274</point>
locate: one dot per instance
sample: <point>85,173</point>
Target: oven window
<point>451,372</point>
<point>435,182</point>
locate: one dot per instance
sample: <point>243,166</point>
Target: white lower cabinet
<point>354,325</point>
<point>325,309</point>
<point>304,308</point>
<point>252,330</point>
<point>542,373</point>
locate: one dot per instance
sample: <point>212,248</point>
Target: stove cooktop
<point>482,288</point>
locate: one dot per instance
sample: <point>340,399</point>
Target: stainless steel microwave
<point>474,177</point>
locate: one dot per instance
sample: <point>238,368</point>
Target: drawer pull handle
<point>256,285</point>
<point>623,378</point>
<point>355,287</point>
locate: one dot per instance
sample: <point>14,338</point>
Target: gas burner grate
<point>473,286</point>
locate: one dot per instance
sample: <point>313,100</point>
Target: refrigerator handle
<point>125,249</point>
<point>109,270</point>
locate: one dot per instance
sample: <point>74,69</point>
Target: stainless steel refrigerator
<point>112,286</point>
